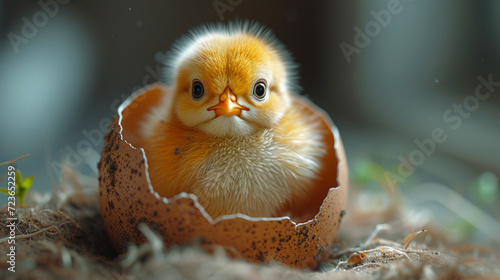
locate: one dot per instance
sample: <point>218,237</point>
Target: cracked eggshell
<point>127,199</point>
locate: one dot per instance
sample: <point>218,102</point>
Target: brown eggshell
<point>127,199</point>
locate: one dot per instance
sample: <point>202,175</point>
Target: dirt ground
<point>61,236</point>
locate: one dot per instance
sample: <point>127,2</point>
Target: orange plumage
<point>231,133</point>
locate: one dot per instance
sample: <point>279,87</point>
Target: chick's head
<point>231,82</point>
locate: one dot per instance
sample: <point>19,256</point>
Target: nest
<point>62,236</point>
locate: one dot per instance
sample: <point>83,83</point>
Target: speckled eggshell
<point>127,200</point>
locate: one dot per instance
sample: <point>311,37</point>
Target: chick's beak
<point>227,105</point>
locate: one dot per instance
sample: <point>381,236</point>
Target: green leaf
<point>22,186</point>
<point>5,191</point>
<point>27,182</point>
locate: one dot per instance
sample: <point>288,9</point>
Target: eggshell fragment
<point>127,199</point>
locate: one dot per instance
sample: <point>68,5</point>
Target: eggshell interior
<point>128,199</point>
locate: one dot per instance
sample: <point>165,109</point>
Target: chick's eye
<point>197,91</point>
<point>259,90</point>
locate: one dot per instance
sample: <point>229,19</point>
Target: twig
<point>409,239</point>
<point>14,160</point>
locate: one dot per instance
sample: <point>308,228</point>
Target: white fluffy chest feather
<point>256,174</point>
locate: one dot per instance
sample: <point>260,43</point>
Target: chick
<point>229,131</point>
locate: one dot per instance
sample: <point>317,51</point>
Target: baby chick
<point>229,132</point>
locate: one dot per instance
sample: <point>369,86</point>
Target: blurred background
<point>413,87</point>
